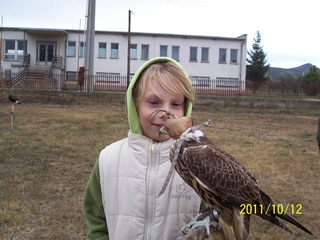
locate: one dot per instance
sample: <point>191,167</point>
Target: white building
<point>205,58</point>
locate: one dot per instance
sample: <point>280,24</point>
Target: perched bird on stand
<point>221,182</point>
<point>14,99</point>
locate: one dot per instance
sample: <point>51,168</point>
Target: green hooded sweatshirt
<point>131,108</point>
<point>93,207</point>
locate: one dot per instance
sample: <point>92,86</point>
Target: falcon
<point>220,180</point>
<point>14,99</point>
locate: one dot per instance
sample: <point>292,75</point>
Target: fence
<point>221,86</point>
<point>278,89</point>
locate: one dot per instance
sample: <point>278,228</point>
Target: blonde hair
<point>159,71</point>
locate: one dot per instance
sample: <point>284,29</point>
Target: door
<point>45,53</point>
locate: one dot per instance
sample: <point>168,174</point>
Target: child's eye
<point>176,104</point>
<point>153,102</point>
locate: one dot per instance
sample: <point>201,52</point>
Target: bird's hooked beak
<point>162,131</point>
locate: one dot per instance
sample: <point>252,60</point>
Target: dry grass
<point>46,160</point>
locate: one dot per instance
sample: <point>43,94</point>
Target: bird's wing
<point>13,98</point>
<point>219,172</point>
<point>224,177</point>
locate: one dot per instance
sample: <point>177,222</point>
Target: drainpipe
<point>242,86</point>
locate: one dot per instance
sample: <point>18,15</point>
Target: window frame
<point>204,60</point>
<point>17,52</point>
<point>114,50</point>
<point>102,50</point>
<point>144,51</point>
<point>163,51</point>
<point>133,51</point>
<point>175,52</point>
<point>222,55</point>
<point>232,51</point>
<point>82,49</point>
<point>71,50</point>
<point>193,56</point>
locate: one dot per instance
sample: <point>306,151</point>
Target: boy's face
<point>151,102</point>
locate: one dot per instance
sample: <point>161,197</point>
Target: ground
<point>47,156</point>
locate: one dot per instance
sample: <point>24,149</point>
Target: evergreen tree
<point>313,76</point>
<point>312,82</point>
<point>257,68</point>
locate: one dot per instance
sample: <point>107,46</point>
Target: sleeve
<point>93,208</point>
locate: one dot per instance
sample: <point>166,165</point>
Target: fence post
<point>59,82</point>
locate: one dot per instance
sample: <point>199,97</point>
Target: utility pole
<point>1,43</point>
<point>89,49</point>
<point>129,43</point>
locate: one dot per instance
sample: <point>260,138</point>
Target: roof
<point>36,30</point>
<point>167,35</point>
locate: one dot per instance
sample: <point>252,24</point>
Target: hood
<point>133,117</point>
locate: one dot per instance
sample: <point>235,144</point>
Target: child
<point>121,199</point>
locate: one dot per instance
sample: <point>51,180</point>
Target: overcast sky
<point>289,29</point>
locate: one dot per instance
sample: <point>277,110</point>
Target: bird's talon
<point>210,220</point>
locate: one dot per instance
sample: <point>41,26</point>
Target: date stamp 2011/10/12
<point>278,209</point>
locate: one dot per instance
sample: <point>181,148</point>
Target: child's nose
<point>165,114</point>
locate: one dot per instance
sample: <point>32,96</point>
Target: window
<point>108,77</point>
<point>193,53</point>
<point>71,76</point>
<point>163,51</point>
<point>114,50</point>
<point>227,82</point>
<point>82,50</point>
<point>234,55</point>
<point>144,51</point>
<point>102,51</point>
<point>200,81</point>
<point>175,53</point>
<point>15,49</point>
<point>133,51</point>
<point>71,51</point>
<point>222,55</point>
<point>204,54</point>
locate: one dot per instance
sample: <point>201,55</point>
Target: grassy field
<point>46,160</point>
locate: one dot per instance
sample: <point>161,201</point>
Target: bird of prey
<point>14,99</point>
<point>219,179</point>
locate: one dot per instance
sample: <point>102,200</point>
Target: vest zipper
<point>152,172</point>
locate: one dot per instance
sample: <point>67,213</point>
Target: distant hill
<point>276,73</point>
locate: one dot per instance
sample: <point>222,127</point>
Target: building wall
<point>211,69</point>
<point>33,37</point>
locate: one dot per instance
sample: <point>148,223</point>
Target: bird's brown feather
<point>220,171</point>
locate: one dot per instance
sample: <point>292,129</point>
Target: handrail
<point>57,61</point>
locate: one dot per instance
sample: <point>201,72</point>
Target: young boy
<point>122,197</point>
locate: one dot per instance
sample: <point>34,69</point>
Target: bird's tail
<point>271,213</point>
<point>293,221</point>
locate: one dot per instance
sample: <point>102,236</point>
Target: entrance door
<point>45,53</point>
